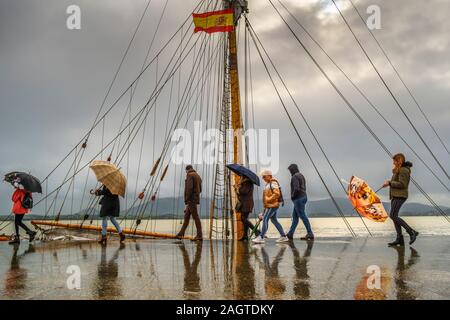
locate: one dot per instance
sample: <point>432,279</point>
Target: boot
<point>308,237</point>
<point>398,242</point>
<point>197,238</point>
<point>103,240</point>
<point>413,236</point>
<point>122,237</point>
<point>15,240</point>
<point>179,236</point>
<point>32,235</point>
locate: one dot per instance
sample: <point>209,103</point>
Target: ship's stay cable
<point>383,146</point>
<point>341,213</point>
<point>148,183</point>
<point>371,104</point>
<point>391,93</point>
<point>401,79</point>
<point>313,134</point>
<point>163,48</point>
<point>174,124</point>
<point>138,114</point>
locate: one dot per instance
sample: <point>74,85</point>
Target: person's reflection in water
<point>301,281</point>
<point>245,274</point>
<point>107,286</point>
<point>404,292</point>
<point>15,280</point>
<point>191,277</point>
<point>273,284</point>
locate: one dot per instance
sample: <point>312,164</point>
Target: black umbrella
<point>243,171</point>
<point>29,182</point>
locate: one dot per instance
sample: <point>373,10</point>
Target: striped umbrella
<point>110,176</point>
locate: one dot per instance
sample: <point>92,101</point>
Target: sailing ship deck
<point>168,269</point>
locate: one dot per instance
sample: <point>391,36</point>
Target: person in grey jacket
<point>299,198</point>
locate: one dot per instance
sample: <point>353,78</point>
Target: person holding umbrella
<point>114,184</point>
<point>244,191</point>
<point>22,198</point>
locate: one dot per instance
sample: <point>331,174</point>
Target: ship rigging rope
<point>314,135</point>
<point>391,93</point>
<point>91,209</point>
<point>106,95</point>
<point>163,154</point>
<point>365,97</point>
<point>173,126</point>
<point>355,112</point>
<point>140,112</point>
<point>163,48</point>
<point>102,119</point>
<point>401,79</point>
<point>341,213</point>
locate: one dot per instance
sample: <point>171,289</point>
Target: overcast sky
<point>53,80</point>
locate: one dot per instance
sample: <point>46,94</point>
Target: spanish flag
<point>215,21</point>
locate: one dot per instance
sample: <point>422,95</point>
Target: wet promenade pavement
<point>167,269</point>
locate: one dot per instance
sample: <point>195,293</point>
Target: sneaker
<point>308,237</point>
<point>258,240</point>
<point>282,239</point>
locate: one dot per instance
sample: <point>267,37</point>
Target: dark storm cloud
<point>52,81</point>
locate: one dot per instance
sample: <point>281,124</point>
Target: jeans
<point>271,215</point>
<point>300,212</point>
<point>105,225</point>
<point>396,204</point>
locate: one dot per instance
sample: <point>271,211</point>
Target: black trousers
<point>247,224</point>
<point>18,223</point>
<point>396,204</point>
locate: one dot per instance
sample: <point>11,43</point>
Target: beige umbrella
<point>110,176</point>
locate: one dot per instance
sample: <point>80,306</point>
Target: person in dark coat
<point>192,191</point>
<point>110,208</point>
<point>299,198</point>
<point>398,193</point>
<point>245,196</point>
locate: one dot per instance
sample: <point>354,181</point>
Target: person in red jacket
<point>19,212</point>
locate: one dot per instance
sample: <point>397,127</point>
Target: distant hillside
<point>164,208</point>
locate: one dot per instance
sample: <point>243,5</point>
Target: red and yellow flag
<point>215,21</point>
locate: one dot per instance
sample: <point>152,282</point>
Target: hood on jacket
<point>190,171</point>
<point>293,169</point>
<point>407,164</point>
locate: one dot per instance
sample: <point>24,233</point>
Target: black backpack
<point>27,201</point>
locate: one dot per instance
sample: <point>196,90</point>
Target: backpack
<point>280,199</point>
<point>27,201</point>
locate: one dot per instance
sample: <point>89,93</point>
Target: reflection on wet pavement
<point>166,269</point>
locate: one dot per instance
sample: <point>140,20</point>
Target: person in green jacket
<point>398,193</point>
